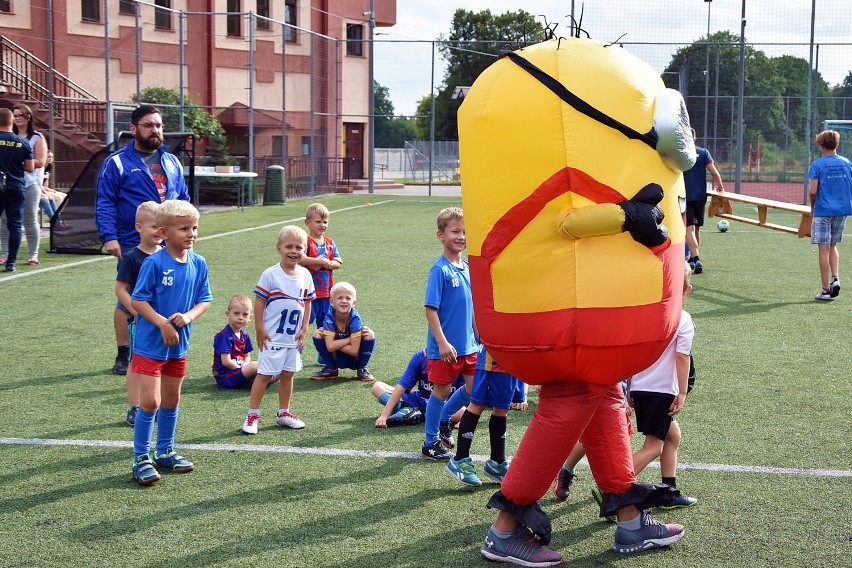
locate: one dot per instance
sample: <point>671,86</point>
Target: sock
<point>825,290</point>
<point>670,481</point>
<point>497,433</point>
<point>456,401</point>
<point>633,524</point>
<point>124,351</point>
<point>385,397</point>
<point>166,426</point>
<point>282,411</point>
<point>434,408</point>
<point>467,427</point>
<point>325,356</point>
<point>367,347</point>
<point>143,429</point>
<point>254,411</point>
<point>571,471</point>
<point>500,534</point>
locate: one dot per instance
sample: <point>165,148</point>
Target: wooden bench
<point>720,206</point>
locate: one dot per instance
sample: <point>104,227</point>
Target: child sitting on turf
<point>343,341</point>
<point>125,282</point>
<point>322,257</point>
<point>232,364</point>
<point>172,291</point>
<point>494,387</point>
<point>283,308</point>
<point>405,403</point>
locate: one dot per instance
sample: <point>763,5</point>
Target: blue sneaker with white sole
<point>172,461</point>
<point>463,471</point>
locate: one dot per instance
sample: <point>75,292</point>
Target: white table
<point>243,178</point>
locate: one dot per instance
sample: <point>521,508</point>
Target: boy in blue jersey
<point>128,273</point>
<point>172,291</point>
<point>492,387</point>
<point>450,343</point>
<point>831,202</point>
<point>343,341</point>
<point>232,364</point>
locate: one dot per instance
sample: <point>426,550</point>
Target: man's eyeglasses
<point>151,125</point>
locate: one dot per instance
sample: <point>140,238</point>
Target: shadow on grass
<point>14,383</point>
<point>731,304</point>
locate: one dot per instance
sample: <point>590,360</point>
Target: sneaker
<point>699,268</point>
<point>324,375</point>
<point>464,471</point>
<point>290,420</point>
<point>564,481</point>
<point>414,418</point>
<point>834,287</point>
<point>405,416</point>
<point>172,461</point>
<point>521,548</point>
<point>131,416</point>
<point>250,424</point>
<point>598,496</point>
<point>691,264</point>
<point>824,295</point>
<point>121,364</point>
<point>445,435</point>
<point>143,470</point>
<point>496,471</point>
<point>436,451</point>
<point>10,267</point>
<point>652,534</point>
<point>681,502</point>
<point>365,376</point>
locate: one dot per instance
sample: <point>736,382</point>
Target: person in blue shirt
<point>831,202</point>
<point>343,341</point>
<point>695,180</point>
<point>232,347</point>
<point>171,292</point>
<point>16,160</point>
<point>141,171</point>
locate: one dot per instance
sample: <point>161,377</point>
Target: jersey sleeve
<point>355,324</point>
<point>222,343</point>
<point>125,269</point>
<point>203,293</point>
<point>685,334</point>
<point>334,253</point>
<point>263,286</point>
<point>249,346</point>
<point>434,287</point>
<point>416,367</point>
<point>146,283</point>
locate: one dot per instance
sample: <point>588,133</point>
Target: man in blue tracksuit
<point>141,171</point>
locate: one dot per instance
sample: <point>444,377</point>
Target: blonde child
<point>232,364</point>
<point>172,291</point>
<point>321,257</point>
<point>282,306</point>
<point>343,341</point>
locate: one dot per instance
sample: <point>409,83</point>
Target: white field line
<point>100,258</point>
<point>335,452</point>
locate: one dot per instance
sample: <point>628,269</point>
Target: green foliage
<point>391,131</point>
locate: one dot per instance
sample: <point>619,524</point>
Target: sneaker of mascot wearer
<point>144,471</point>
<point>651,534</point>
<point>521,547</point>
<point>365,376</point>
<point>681,502</point>
<point>250,424</point>
<point>290,420</point>
<point>172,461</point>
<point>496,471</point>
<point>435,451</point>
<point>834,287</point>
<point>463,471</point>
<point>564,481</point>
<point>445,435</point>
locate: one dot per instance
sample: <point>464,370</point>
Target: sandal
<point>3,259</point>
<point>33,261</point>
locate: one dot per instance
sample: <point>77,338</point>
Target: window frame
<point>291,11</point>
<point>234,19</point>
<point>90,10</point>
<point>163,18</point>
<point>355,45</point>
<point>263,9</point>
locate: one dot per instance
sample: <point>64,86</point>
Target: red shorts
<point>153,368</point>
<point>444,373</point>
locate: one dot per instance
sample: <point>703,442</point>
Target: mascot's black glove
<point>642,217</point>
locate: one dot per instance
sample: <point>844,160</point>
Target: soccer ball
<point>723,225</point>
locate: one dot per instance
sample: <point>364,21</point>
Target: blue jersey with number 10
<point>285,299</point>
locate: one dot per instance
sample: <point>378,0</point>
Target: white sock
<point>282,411</point>
<point>254,411</point>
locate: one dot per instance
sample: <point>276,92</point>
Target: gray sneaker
<point>652,534</point>
<point>521,548</point>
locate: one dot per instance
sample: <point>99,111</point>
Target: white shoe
<point>290,420</point>
<point>250,425</point>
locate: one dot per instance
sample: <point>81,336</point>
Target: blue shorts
<point>233,379</point>
<point>414,399</point>
<point>319,307</point>
<point>493,389</point>
<point>827,230</point>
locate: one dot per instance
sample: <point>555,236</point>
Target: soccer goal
<point>844,127</point>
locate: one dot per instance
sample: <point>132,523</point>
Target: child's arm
<point>682,366</point>
<point>182,319</point>
<point>382,420</point>
<point>229,363</point>
<point>524,403</point>
<point>167,330</point>
<point>319,263</point>
<point>447,351</point>
<point>260,332</point>
<point>123,295</point>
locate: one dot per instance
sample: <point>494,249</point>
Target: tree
<point>391,131</point>
<point>843,98</point>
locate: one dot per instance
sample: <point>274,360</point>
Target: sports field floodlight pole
<point>707,76</point>
<point>808,110</point>
<point>371,178</point>
<point>741,89</point>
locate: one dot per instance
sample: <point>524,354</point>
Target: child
<point>405,403</point>
<point>343,341</point>
<point>232,364</point>
<point>172,291</point>
<point>321,257</point>
<point>450,342</point>
<point>283,306</point>
<point>493,387</point>
<point>125,283</point>
<point>657,394</point>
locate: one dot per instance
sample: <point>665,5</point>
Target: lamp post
<point>372,104</point>
<point>707,74</point>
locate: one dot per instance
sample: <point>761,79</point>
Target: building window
<point>263,12</point>
<point>235,19</point>
<point>6,6</point>
<point>163,18</point>
<point>90,10</point>
<point>276,145</point>
<point>354,39</point>
<point>126,7</point>
<point>306,145</point>
<point>290,18</point>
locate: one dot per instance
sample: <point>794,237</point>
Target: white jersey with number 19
<point>285,298</point>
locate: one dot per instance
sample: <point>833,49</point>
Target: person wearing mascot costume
<point>572,153</point>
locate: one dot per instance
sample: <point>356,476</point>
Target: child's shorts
<point>319,307</point>
<point>443,373</point>
<point>652,413</point>
<point>827,230</point>
<point>233,379</point>
<point>155,368</point>
<point>275,359</point>
<point>493,389</point>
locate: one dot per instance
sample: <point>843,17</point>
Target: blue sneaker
<point>130,420</point>
<point>699,268</point>
<point>464,471</point>
<point>681,502</point>
<point>171,461</point>
<point>652,534</point>
<point>496,471</point>
<point>521,547</point>
<point>406,416</point>
<point>143,470</point>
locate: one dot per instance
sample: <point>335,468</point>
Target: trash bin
<point>275,192</point>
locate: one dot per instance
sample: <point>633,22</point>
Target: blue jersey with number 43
<point>285,298</point>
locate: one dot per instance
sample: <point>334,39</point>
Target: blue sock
<point>385,397</point>
<point>166,426</point>
<point>143,429</point>
<point>367,347</point>
<point>434,408</point>
<point>457,400</point>
<point>325,356</point>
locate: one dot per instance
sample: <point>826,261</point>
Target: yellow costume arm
<point>593,221</point>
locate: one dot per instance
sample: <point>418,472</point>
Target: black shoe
<point>681,502</point>
<point>10,267</point>
<point>445,435</point>
<point>834,287</point>
<point>436,451</point>
<point>121,364</point>
<point>405,416</point>
<point>563,484</point>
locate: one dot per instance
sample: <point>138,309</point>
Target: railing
<point>306,176</point>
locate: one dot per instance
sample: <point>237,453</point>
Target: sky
<point>652,29</point>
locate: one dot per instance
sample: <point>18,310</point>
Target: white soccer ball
<point>723,225</point>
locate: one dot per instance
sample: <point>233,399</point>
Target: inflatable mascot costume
<point>572,153</point>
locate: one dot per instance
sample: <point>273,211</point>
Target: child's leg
<point>258,389</point>
<point>326,356</point>
<point>250,369</point>
<point>456,401</point>
<point>467,427</point>
<point>650,450</point>
<point>365,352</point>
<point>285,390</point>
<point>170,388</point>
<point>497,433</point>
<point>574,457</point>
<point>434,410</point>
<point>668,457</point>
<point>131,383</point>
<point>149,402</point>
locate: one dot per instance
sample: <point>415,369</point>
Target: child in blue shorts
<point>343,341</point>
<point>232,364</point>
<point>494,387</point>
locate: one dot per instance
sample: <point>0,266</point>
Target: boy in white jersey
<point>283,308</point>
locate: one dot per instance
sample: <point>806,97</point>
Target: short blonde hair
<point>240,300</point>
<point>147,207</point>
<point>317,210</point>
<point>687,276</point>
<point>342,287</point>
<point>293,232</point>
<point>171,209</point>
<point>449,214</point>
<point>828,139</point>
